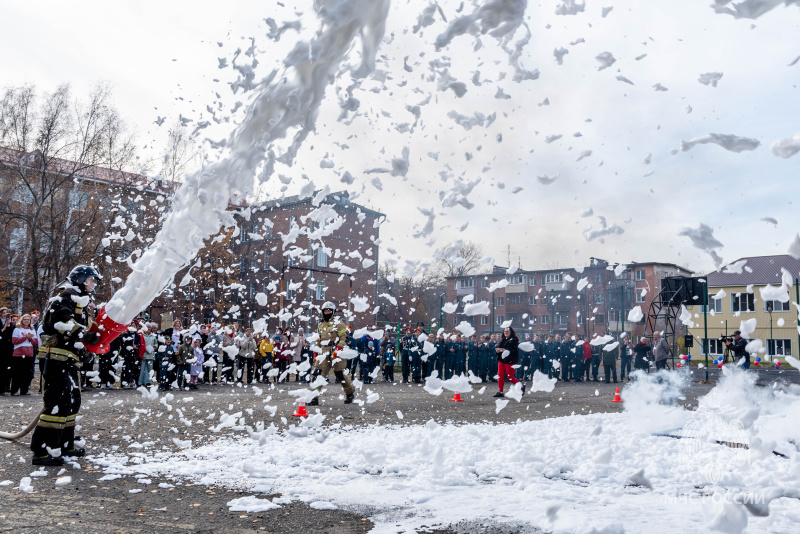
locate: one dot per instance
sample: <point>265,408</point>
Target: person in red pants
<point>507,357</point>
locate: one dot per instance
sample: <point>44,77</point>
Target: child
<point>387,362</point>
<point>196,361</point>
<point>149,357</point>
<point>371,362</point>
<point>182,357</point>
<point>166,354</point>
<point>265,349</point>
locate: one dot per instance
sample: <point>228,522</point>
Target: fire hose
<point>24,432</point>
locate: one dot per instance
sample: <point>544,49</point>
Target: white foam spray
<point>282,103</point>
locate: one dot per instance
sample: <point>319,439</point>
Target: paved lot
<point>90,505</point>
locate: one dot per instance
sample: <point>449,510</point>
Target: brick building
<point>56,213</point>
<point>583,301</point>
<point>735,295</point>
<point>299,252</point>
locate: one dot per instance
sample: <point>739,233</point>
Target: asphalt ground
<point>88,505</point>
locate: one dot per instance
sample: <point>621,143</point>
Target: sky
<point>174,59</point>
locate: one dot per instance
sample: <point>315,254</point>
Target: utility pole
<point>622,309</point>
<point>705,324</point>
<point>552,313</point>
<point>441,310</point>
<point>770,306</point>
<point>797,298</point>
<point>492,327</point>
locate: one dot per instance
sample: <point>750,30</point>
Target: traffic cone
<point>301,411</point>
<point>457,398</point>
<point>617,398</point>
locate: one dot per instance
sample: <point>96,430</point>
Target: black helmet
<point>80,273</point>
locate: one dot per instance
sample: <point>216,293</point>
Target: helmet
<point>80,273</point>
<point>328,306</point>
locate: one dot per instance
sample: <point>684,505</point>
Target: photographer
<point>737,346</point>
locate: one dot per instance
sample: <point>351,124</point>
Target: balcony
<point>557,286</point>
<point>516,288</point>
<point>464,291</point>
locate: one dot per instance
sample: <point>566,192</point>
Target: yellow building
<point>748,289</point>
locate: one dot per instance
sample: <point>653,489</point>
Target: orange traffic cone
<point>301,411</point>
<point>457,398</point>
<point>617,398</point>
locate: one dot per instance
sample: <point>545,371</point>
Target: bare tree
<point>466,261</point>
<point>60,161</point>
<point>182,154</point>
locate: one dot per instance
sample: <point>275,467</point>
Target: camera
<point>726,339</point>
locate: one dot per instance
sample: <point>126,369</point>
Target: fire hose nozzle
<point>108,330</point>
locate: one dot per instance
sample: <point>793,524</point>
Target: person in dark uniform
<point>387,358</point>
<point>737,348</point>
<point>6,349</point>
<point>405,355</point>
<point>472,354</point>
<point>549,354</point>
<point>524,368</point>
<point>538,355</point>
<point>450,356</point>
<point>596,352</point>
<point>643,355</point>
<point>484,353</point>
<point>625,352</point>
<point>415,352</point>
<point>567,359</point>
<point>66,321</point>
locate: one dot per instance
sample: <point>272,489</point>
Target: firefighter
<point>332,339</point>
<point>65,330</point>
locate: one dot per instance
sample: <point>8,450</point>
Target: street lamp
<point>770,305</point>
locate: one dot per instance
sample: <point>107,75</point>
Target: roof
<point>756,270</point>
<point>340,198</point>
<point>500,271</point>
<point>15,159</point>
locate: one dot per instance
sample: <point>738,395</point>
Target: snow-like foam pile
<point>570,474</point>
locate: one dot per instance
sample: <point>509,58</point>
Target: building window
<point>514,299</point>
<point>778,306</point>
<point>552,278</point>
<point>484,320</point>
<point>253,290</point>
<point>779,347</point>
<point>469,282</point>
<point>580,319</point>
<point>640,293</point>
<point>545,319</point>
<point>320,291</point>
<point>532,281</point>
<point>267,231</point>
<point>598,278</point>
<point>640,274</point>
<point>500,319</point>
<point>499,301</point>
<point>599,319</point>
<point>613,316</point>
<point>743,302</point>
<point>562,319</point>
<point>484,283</point>
<point>599,298</point>
<point>531,300</point>
<point>714,306</point>
<point>322,257</point>
<point>516,279</point>
<point>484,299</point>
<point>715,346</point>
